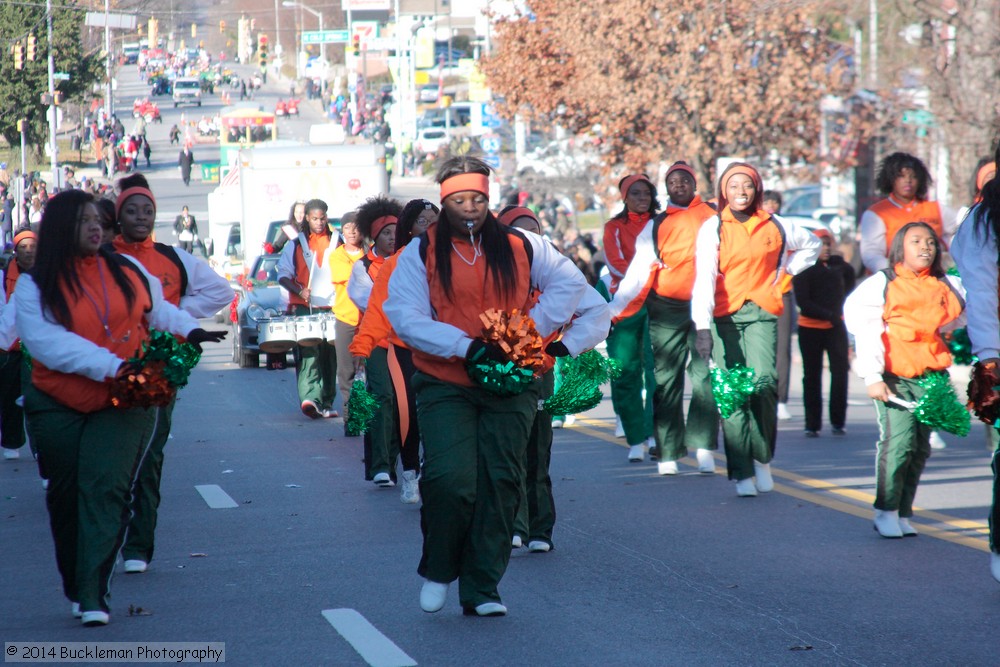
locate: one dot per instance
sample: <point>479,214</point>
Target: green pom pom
<point>580,388</point>
<point>733,388</point>
<point>178,358</point>
<point>502,378</point>
<point>961,347</point>
<point>361,409</point>
<point>939,407</point>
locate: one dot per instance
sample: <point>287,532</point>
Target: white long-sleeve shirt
<point>975,253</point>
<point>409,310</point>
<point>863,317</point>
<point>801,250</point>
<point>207,292</point>
<point>360,284</point>
<point>873,241</point>
<point>59,349</point>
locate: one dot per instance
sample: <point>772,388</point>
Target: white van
<point>187,90</point>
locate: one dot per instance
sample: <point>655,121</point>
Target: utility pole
<point>53,148</point>
<point>109,105</point>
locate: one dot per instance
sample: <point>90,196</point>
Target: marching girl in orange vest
<point>303,270</point>
<point>377,218</point>
<point>660,279</point>
<point>375,331</point>
<point>474,440</point>
<point>188,283</point>
<point>81,312</point>
<point>11,415</point>
<point>742,255</point>
<point>974,250</point>
<point>904,179</point>
<point>629,342</point>
<point>895,317</point>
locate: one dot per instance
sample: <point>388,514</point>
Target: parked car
<point>187,90</point>
<point>259,296</point>
<point>430,139</point>
<point>429,93</point>
<point>806,202</point>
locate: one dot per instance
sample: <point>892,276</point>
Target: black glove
<point>199,336</point>
<point>556,349</point>
<point>128,368</point>
<point>483,353</point>
<point>703,344</point>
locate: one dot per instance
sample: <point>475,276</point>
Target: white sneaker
<point>135,566</point>
<point>516,542</point>
<point>432,596</point>
<point>92,618</point>
<point>636,453</point>
<point>410,493</point>
<point>937,442</point>
<point>667,467</point>
<point>995,566</point>
<point>570,420</point>
<point>906,528</point>
<point>783,413</point>
<point>745,488</point>
<point>11,454</point>
<point>619,429</point>
<point>45,484</point>
<point>383,480</point>
<point>538,546</point>
<point>887,523</point>
<point>558,423</point>
<point>706,462</point>
<point>762,471</point>
<point>487,609</point>
<point>75,610</point>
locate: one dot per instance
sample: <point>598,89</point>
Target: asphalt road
<point>647,570</point>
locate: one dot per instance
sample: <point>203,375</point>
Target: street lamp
<point>319,16</point>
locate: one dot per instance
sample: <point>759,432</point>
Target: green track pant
<point>902,450</point>
<point>673,335</point>
<point>474,444</point>
<point>384,429</point>
<point>146,494</point>
<point>315,370</point>
<point>749,337</point>
<point>629,345</point>
<point>91,460</point>
<point>536,514</point>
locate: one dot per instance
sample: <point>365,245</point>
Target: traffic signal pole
<point>53,147</point>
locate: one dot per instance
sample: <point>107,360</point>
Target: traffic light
<point>152,32</point>
<point>194,31</point>
<point>356,45</point>
<point>32,47</point>
<point>22,125</point>
<point>222,27</point>
<point>262,49</point>
<point>18,55</point>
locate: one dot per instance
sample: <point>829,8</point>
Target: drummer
<point>304,271</point>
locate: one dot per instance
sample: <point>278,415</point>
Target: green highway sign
<point>324,36</point>
<point>919,117</point>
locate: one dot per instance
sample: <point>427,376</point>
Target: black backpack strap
<point>784,243</point>
<point>171,253</point>
<point>890,275</point>
<point>134,268</point>
<point>657,221</point>
<point>529,250</point>
<point>953,289</point>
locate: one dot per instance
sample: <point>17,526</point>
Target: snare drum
<point>309,330</point>
<point>276,335</point>
<point>329,328</point>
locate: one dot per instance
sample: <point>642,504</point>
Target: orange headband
<point>382,223</point>
<point>823,234</point>
<point>472,182</point>
<point>632,180</point>
<point>513,214</point>
<point>26,234</point>
<point>985,174</point>
<point>130,192</point>
<point>746,171</point>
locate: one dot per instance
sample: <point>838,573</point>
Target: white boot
<point>762,471</point>
<point>937,442</point>
<point>619,429</point>
<point>907,528</point>
<point>636,453</point>
<point>745,488</point>
<point>783,413</point>
<point>887,523</point>
<point>667,467</point>
<point>706,462</point>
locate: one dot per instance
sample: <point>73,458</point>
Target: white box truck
<point>266,180</point>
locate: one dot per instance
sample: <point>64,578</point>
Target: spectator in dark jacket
<point>820,292</point>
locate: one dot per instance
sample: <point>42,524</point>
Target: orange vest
<point>675,241</point>
<point>749,258</point>
<point>164,269</point>
<point>375,329</point>
<point>916,306</point>
<point>318,243</point>
<point>896,215</point>
<point>128,330</point>
<point>473,293</point>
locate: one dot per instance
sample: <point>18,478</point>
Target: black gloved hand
<point>128,368</point>
<point>199,336</point>
<point>703,344</point>
<point>556,349</point>
<point>480,352</point>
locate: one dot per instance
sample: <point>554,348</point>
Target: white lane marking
<point>216,498</point>
<point>375,648</point>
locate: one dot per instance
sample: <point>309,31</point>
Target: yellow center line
<point>600,429</point>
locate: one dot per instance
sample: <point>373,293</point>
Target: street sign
<point>492,160</point>
<point>920,117</point>
<point>324,37</point>
<point>490,143</point>
<point>61,76</point>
